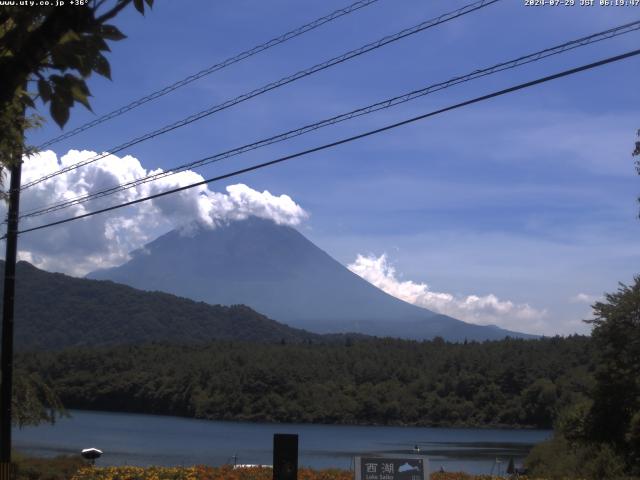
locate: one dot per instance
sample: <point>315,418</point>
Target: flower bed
<point>229,473</point>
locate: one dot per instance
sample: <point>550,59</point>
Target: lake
<point>156,440</point>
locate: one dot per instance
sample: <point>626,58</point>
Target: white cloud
<point>481,310</point>
<point>584,298</point>
<point>105,240</point>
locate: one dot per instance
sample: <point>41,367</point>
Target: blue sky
<point>529,197</point>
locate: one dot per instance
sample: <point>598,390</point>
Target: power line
<point>498,93</point>
<point>283,81</point>
<point>213,68</point>
<point>279,83</point>
<point>523,60</point>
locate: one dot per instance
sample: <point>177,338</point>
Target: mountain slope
<point>277,271</point>
<point>56,311</point>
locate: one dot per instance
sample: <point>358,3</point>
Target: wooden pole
<point>6,358</point>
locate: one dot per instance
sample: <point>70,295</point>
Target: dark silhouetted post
<point>6,360</point>
<point>285,456</point>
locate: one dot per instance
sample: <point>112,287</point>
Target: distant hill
<point>277,271</point>
<point>56,311</point>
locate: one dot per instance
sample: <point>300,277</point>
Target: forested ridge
<point>521,383</point>
<point>70,311</point>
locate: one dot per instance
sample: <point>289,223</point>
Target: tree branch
<point>113,12</point>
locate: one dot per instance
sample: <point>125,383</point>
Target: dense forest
<point>521,383</point>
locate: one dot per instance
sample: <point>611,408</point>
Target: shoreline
<point>353,424</point>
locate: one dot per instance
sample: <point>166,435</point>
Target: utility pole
<point>6,358</point>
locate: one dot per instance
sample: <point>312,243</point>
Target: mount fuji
<point>276,271</point>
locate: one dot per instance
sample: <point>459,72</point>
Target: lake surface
<point>156,440</point>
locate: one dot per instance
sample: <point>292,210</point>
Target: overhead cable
<point>209,70</point>
<point>326,146</point>
<point>523,60</point>
<point>271,86</point>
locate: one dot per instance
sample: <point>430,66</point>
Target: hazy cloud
<point>482,310</point>
<point>105,240</point>
<point>584,298</point>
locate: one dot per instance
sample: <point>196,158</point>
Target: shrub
<point>560,459</point>
<point>58,468</point>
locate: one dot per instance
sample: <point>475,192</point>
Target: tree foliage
<point>600,437</point>
<point>615,415</point>
<point>34,401</point>
<point>49,52</point>
<point>636,153</point>
<point>378,381</point>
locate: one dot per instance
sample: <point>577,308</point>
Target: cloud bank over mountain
<point>105,240</point>
<point>481,310</point>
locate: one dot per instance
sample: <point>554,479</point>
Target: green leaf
<point>70,36</point>
<point>55,79</point>
<point>150,3</point>
<point>76,82</point>
<point>85,65</point>
<point>64,57</point>
<point>99,43</point>
<point>28,101</point>
<point>62,90</point>
<point>111,33</point>
<point>101,66</point>
<point>139,4</point>
<point>59,111</point>
<point>44,89</point>
<point>81,97</point>
<point>79,90</point>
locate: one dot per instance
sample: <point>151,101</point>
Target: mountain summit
<point>275,270</point>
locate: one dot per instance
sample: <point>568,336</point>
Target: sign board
<point>392,467</point>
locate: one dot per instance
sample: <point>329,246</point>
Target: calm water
<point>149,439</point>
